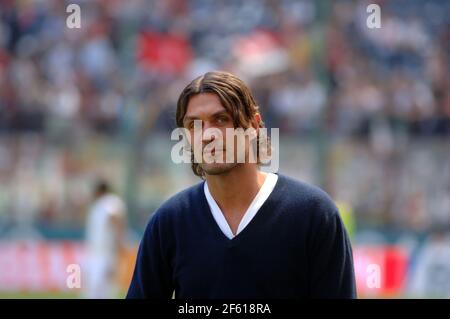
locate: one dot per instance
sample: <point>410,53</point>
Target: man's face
<point>207,108</point>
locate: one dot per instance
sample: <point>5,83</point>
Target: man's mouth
<point>213,152</point>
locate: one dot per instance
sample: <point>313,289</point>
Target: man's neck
<point>235,190</point>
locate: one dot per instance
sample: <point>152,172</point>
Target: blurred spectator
<point>105,236</point>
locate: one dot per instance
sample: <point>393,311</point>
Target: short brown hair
<point>234,95</point>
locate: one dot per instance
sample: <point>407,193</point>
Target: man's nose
<point>206,138</point>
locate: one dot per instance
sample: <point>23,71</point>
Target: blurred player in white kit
<point>105,230</point>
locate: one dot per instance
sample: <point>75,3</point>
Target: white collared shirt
<point>264,192</point>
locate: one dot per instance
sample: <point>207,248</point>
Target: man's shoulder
<point>180,202</point>
<point>305,197</point>
<point>184,196</point>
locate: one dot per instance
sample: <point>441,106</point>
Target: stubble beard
<point>217,168</point>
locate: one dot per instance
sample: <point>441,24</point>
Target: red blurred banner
<point>163,53</point>
<point>43,266</point>
<point>388,263</point>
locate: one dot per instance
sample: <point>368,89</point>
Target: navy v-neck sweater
<point>295,246</point>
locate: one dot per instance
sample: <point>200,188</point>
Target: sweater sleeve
<point>331,258</point>
<point>152,277</point>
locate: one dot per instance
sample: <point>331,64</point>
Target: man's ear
<point>256,120</point>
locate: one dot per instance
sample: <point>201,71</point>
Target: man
<point>240,233</point>
<point>104,243</point>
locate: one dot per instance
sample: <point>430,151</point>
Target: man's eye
<point>222,120</point>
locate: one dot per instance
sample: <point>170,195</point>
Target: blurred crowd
<point>314,66</point>
<point>144,51</point>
